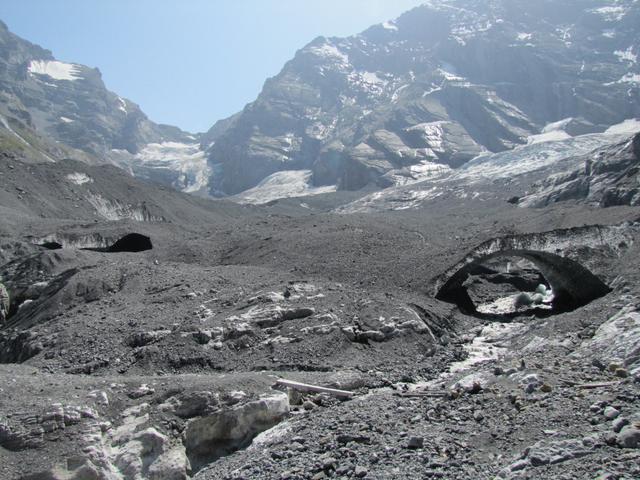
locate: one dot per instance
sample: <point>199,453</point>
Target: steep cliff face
<point>441,84</point>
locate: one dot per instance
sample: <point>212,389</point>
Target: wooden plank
<point>303,387</point>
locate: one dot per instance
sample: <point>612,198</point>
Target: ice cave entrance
<point>521,282</point>
<point>132,242</point>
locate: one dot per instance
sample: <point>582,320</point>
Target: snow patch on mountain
<point>55,69</point>
<point>628,127</point>
<point>390,26</point>
<point>628,78</point>
<point>553,136</point>
<point>433,133</point>
<point>78,178</point>
<point>611,14</point>
<point>533,156</point>
<point>626,55</point>
<point>552,132</point>
<point>393,198</point>
<point>186,158</point>
<point>424,170</point>
<point>485,169</point>
<point>368,82</point>
<point>284,184</point>
<point>330,51</point>
<point>122,105</point>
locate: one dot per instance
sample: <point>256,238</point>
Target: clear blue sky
<point>189,62</point>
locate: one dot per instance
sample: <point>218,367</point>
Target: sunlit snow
<point>78,178</point>
<point>491,166</point>
<point>186,158</point>
<point>55,69</point>
<point>611,14</point>
<point>626,55</point>
<point>628,127</point>
<point>284,184</point>
<point>551,136</point>
<point>630,78</point>
<point>123,105</point>
<point>328,50</point>
<point>389,26</point>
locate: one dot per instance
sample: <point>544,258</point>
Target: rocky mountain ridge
<point>442,84</point>
<point>405,100</point>
<point>56,110</point>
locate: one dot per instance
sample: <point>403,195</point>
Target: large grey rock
<point>629,437</point>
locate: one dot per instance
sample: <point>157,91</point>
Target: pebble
<point>298,447</point>
<point>621,372</point>
<point>629,437</point>
<point>329,463</point>
<point>343,469</point>
<point>611,413</point>
<point>360,472</point>
<point>619,423</point>
<point>595,408</point>
<point>415,442</point>
<point>613,366</point>
<point>141,392</point>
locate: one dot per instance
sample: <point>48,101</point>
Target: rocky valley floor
<point>163,363</point>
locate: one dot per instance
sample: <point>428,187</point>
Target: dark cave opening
<point>509,284</point>
<point>51,245</point>
<point>132,242</point>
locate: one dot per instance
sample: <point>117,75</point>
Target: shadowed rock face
<point>573,284</point>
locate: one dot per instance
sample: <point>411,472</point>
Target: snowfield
<point>78,178</point>
<point>285,184</point>
<point>544,150</point>
<point>55,69</point>
<point>186,158</point>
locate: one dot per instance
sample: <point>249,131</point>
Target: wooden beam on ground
<point>303,387</point>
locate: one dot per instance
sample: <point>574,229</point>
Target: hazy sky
<point>189,62</point>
